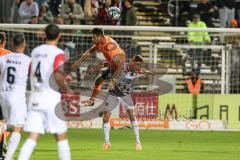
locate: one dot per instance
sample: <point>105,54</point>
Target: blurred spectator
<point>72,12</point>
<point>206,11</point>
<point>117,3</point>
<point>102,17</point>
<point>226,12</point>
<point>45,15</point>
<point>198,37</point>
<point>59,20</point>
<point>91,8</point>
<point>34,20</point>
<point>27,10</point>
<point>54,6</point>
<point>129,14</point>
<point>194,84</point>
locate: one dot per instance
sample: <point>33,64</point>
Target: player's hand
<point>76,65</point>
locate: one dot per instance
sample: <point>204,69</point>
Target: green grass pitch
<point>86,144</point>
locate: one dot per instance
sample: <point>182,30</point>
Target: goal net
<point>195,71</point>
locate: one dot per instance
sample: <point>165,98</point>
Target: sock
<point>27,149</point>
<point>64,150</point>
<point>13,144</point>
<point>106,130</point>
<point>136,130</point>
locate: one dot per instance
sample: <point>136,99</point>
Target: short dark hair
<point>18,39</point>
<point>138,58</point>
<point>34,17</point>
<point>2,37</point>
<point>52,31</point>
<point>97,31</point>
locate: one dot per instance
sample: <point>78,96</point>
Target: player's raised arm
<point>84,57</point>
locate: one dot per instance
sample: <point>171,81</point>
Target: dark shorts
<point>107,74</point>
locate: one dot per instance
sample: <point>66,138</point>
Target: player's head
<point>194,75</point>
<point>71,1</point>
<point>128,3</point>
<point>136,63</point>
<point>196,18</point>
<point>18,42</point>
<point>97,33</point>
<point>52,32</point>
<point>29,2</point>
<point>2,39</point>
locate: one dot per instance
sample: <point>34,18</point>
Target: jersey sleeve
<point>59,60</point>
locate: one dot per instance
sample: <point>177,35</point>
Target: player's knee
<point>61,136</point>
<point>131,115</point>
<point>34,136</point>
<point>17,129</point>
<point>106,117</point>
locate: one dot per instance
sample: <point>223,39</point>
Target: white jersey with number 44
<point>14,70</point>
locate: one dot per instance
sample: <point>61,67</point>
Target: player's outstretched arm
<point>84,57</point>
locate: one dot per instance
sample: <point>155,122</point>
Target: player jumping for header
<point>113,54</point>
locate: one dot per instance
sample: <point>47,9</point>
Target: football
<point>114,13</point>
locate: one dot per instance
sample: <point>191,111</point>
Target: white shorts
<point>43,117</point>
<point>14,109</point>
<point>126,101</point>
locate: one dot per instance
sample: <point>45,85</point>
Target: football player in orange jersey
<point>3,51</point>
<point>113,54</point>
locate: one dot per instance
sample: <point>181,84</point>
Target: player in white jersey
<point>14,70</point>
<point>121,92</point>
<point>46,60</point>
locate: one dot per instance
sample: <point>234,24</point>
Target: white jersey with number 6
<point>14,70</point>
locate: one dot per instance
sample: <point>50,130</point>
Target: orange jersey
<point>4,51</point>
<point>110,48</point>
